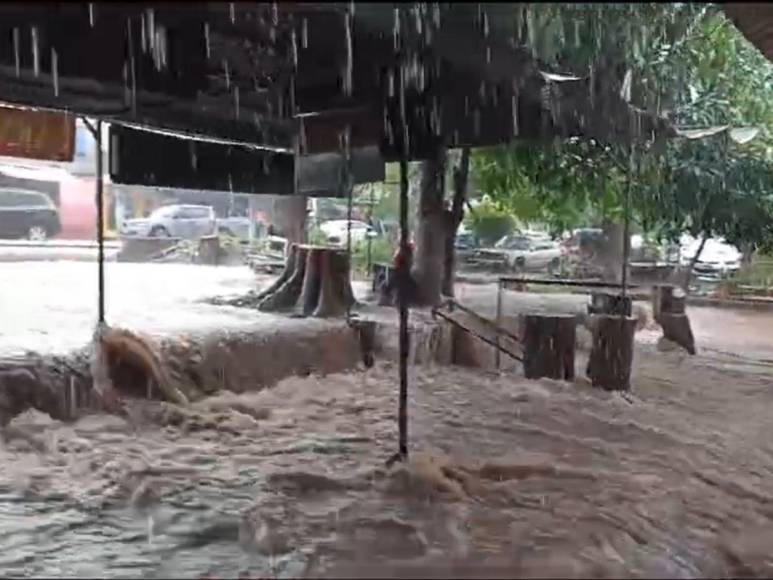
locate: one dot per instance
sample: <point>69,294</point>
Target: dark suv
<point>27,214</point>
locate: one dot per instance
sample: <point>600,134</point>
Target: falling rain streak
<point>206,38</point>
<point>16,56</point>
<point>55,71</point>
<point>35,51</point>
<point>347,85</point>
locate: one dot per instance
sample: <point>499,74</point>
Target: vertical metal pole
<point>100,221</point>
<point>497,354</point>
<point>627,233</point>
<point>370,223</point>
<point>403,274</point>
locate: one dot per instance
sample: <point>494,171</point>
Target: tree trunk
<point>290,217</point>
<point>693,261</point>
<point>610,253</point>
<point>461,174</point>
<point>431,231</point>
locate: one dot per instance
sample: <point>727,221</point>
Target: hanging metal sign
<point>36,134</point>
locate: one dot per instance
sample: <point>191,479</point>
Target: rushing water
<point>535,478</point>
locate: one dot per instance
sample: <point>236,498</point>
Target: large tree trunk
<point>461,174</point>
<point>290,217</point>
<point>691,266</point>
<point>610,252</point>
<point>432,225</point>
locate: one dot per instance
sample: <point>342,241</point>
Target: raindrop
<point>232,8</point>
<point>302,137</point>
<point>151,27</point>
<point>396,29</point>
<point>514,108</point>
<point>194,158</point>
<point>206,37</point>
<point>91,14</point>
<point>476,121</point>
<point>35,51</point>
<point>280,104</point>
<point>55,71</point>
<point>294,48</point>
<point>348,71</point>
<point>488,54</point>
<point>16,57</point>
<point>391,84</point>
<point>143,38</point>
<point>466,106</point>
<point>436,14</point>
<point>230,183</point>
<point>227,74</point>
<point>236,101</point>
<point>305,33</point>
<point>485,24</point>
<point>274,13</point>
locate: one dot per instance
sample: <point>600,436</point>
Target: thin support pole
<point>497,354</point>
<point>349,184</point>
<point>100,222</point>
<point>96,132</point>
<point>370,223</point>
<point>403,275</point>
<point>627,232</point>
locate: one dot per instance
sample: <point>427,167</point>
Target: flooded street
<point>539,478</point>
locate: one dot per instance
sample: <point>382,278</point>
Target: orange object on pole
<point>37,134</point>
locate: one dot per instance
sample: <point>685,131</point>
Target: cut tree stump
<point>209,250</point>
<point>549,346</point>
<point>611,356</point>
<point>669,311</point>
<point>315,279</point>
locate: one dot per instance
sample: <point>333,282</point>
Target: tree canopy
<point>686,61</point>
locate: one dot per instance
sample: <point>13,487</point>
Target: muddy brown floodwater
<point>507,477</point>
<point>535,478</point>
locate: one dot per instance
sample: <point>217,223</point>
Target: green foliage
<point>381,250</point>
<point>489,222</point>
<point>685,60</point>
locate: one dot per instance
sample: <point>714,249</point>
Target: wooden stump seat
<point>549,346</point>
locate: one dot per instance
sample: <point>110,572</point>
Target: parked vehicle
<point>465,246</point>
<point>27,214</point>
<point>522,253</point>
<point>336,231</point>
<point>717,260</point>
<point>176,221</point>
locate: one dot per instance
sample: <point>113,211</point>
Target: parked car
<point>176,221</point>
<point>335,231</point>
<point>718,258</point>
<point>522,253</point>
<point>27,214</point>
<point>465,246</point>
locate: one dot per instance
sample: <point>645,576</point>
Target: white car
<point>524,253</point>
<point>176,221</point>
<point>717,259</point>
<point>335,231</point>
